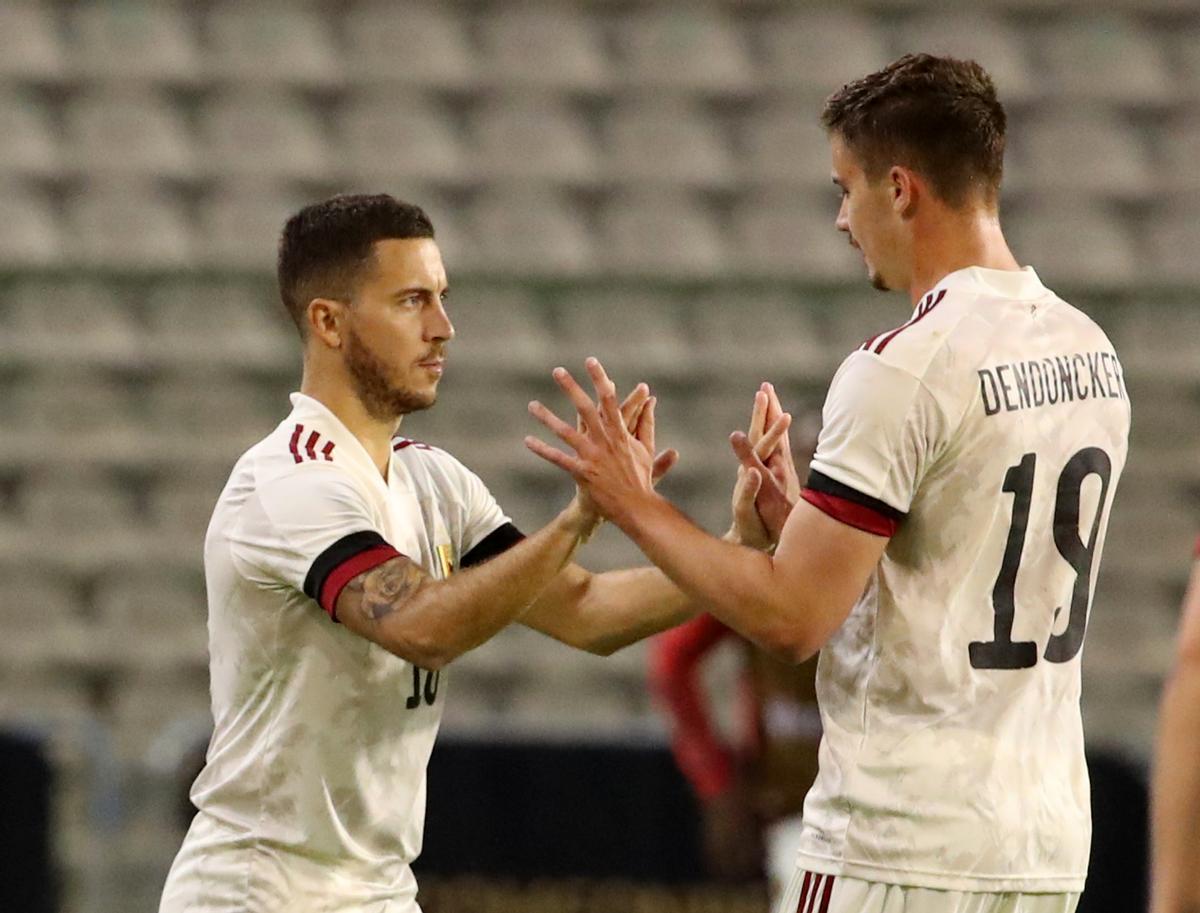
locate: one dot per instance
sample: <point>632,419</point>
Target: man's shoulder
<point>913,346</point>
<point>427,461</point>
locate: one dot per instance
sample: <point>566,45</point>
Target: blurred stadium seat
<point>129,225</point>
<point>811,52</point>
<point>134,41</point>
<point>30,233</point>
<point>263,134</point>
<point>28,144</point>
<point>1104,57</point>
<point>523,137</point>
<point>409,43</point>
<point>666,143</point>
<point>128,133</point>
<point>532,45</point>
<point>696,48</point>
<point>661,233</point>
<point>30,43</point>
<point>270,42</point>
<point>385,137</point>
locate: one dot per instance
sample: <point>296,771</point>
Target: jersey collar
<point>1021,284</point>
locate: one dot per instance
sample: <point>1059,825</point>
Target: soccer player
<point>347,566</point>
<point>942,555</point>
<point>1175,793</point>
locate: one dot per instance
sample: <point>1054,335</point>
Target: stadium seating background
<point>644,181</point>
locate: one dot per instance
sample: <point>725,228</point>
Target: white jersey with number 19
<point>985,436</point>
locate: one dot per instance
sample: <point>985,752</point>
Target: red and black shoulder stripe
<point>307,445</point>
<point>879,342</point>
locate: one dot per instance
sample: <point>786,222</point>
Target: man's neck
<point>373,434</point>
<point>954,241</point>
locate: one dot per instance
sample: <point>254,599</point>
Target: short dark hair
<point>937,115</point>
<point>325,247</point>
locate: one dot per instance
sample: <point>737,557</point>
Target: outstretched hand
<point>614,461</point>
<point>767,485</point>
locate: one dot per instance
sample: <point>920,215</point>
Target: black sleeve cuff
<point>820,482</point>
<point>338,554</point>
<point>501,539</point>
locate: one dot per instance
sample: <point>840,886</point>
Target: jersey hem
<point>942,881</point>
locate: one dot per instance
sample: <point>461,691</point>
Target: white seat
<point>1086,152</point>
<point>217,323</point>
<point>155,617</point>
<point>28,144</point>
<point>1181,139</point>
<point>270,42</point>
<point>128,133</point>
<point>147,713</point>
<point>631,332</point>
<point>660,233</point>
<point>1171,244</point>
<point>130,226</point>
<point>770,335</point>
<point>530,230</point>
<point>784,146</point>
<point>1109,58</point>
<point>1073,244</point>
<point>90,502</point>
<point>134,41</point>
<point>1163,343</point>
<point>386,137</point>
<point>666,143</point>
<point>536,45</point>
<point>43,619</point>
<point>30,233</point>
<point>792,235</point>
<point>263,134</point>
<point>74,405</point>
<point>533,138</point>
<point>75,320</point>
<point>817,50</point>
<point>972,35</point>
<point>409,42</point>
<point>499,330</point>
<point>194,413</point>
<point>240,224</point>
<point>30,46</point>
<point>695,48</point>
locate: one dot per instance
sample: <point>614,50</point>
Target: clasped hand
<point>615,467</point>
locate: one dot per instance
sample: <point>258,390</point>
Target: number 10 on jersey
<point>1002,652</point>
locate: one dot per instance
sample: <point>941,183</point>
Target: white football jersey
<point>312,797</point>
<point>986,436</point>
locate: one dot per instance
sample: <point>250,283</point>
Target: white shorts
<point>813,893</point>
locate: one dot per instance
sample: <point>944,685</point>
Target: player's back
<point>994,426</point>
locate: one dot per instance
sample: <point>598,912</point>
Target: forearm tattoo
<point>382,590</point>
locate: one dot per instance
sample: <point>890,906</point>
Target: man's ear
<point>325,320</point>
<point>906,189</point>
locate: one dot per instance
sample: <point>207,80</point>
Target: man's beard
<point>382,401</point>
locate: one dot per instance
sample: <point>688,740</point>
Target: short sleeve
<point>880,427</point>
<point>311,529</point>
<point>482,515</point>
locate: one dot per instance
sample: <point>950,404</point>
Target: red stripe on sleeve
<point>294,441</point>
<point>348,570</point>
<point>824,908</point>
<point>804,892</point>
<point>851,513</point>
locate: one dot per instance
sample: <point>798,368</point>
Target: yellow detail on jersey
<point>446,558</point>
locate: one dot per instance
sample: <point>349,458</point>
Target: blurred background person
<point>750,789</point>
